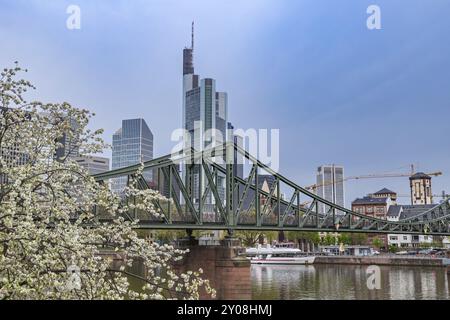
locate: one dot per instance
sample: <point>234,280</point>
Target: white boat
<point>279,254</point>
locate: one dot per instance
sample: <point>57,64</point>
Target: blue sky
<point>373,101</point>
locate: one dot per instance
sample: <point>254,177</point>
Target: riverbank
<point>383,261</point>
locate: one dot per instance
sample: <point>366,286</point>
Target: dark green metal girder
<point>289,215</point>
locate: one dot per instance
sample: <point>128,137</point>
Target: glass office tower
<point>132,144</point>
<point>330,185</point>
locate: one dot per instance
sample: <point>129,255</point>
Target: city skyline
<point>387,86</point>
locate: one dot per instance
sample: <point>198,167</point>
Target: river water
<point>347,282</point>
<point>342,282</point>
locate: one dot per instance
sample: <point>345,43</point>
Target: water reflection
<point>347,282</point>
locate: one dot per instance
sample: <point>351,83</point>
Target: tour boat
<point>278,254</point>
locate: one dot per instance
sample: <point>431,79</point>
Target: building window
<point>418,193</point>
<point>357,209</point>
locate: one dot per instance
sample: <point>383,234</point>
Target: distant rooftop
<point>407,211</point>
<point>385,191</point>
<point>270,179</point>
<point>369,200</point>
<point>419,175</point>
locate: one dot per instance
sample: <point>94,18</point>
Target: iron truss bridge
<point>204,192</point>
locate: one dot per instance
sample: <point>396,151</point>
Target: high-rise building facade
<point>205,114</point>
<point>93,164</point>
<point>11,156</point>
<point>330,185</point>
<point>69,143</point>
<point>204,108</point>
<point>132,144</point>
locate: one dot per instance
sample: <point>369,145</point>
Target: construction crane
<point>443,195</point>
<point>314,187</point>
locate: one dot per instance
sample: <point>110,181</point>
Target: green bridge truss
<point>205,193</point>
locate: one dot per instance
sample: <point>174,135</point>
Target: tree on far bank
<point>377,243</point>
<point>297,236</point>
<point>252,238</point>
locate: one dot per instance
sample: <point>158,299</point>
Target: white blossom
<point>47,223</point>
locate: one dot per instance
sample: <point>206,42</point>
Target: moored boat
<point>278,254</point>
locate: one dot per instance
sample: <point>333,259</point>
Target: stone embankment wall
<point>381,260</point>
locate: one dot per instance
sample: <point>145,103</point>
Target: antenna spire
<point>192,35</point>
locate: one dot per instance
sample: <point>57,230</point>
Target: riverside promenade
<point>388,260</point>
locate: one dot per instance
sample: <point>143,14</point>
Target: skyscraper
<point>69,143</point>
<point>132,144</point>
<point>11,156</point>
<point>330,185</point>
<point>191,90</point>
<point>204,108</point>
<point>205,114</point>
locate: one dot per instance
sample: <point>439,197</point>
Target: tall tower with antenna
<point>192,36</point>
<point>188,56</point>
<point>190,80</point>
<point>205,111</point>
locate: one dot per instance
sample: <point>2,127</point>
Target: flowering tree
<point>51,244</point>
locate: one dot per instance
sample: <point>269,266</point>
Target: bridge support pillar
<point>228,273</point>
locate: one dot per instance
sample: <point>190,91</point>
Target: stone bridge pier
<point>228,273</point>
